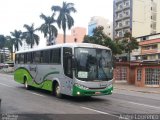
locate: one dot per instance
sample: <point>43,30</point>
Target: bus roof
<point>87,45</point>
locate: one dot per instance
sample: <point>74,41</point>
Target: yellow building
<point>140,17</point>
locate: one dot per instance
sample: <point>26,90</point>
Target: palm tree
<point>9,44</point>
<point>17,36</point>
<point>2,41</point>
<point>64,19</point>
<point>2,45</point>
<point>30,36</point>
<point>49,30</point>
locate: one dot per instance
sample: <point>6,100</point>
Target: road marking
<point>101,112</point>
<point>37,94</point>
<point>144,105</point>
<point>6,85</point>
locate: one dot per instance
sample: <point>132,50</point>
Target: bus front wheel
<point>57,91</point>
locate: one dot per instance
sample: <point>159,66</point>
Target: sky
<point>15,13</point>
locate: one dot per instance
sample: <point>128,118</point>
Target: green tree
<point>129,43</point>
<point>65,19</point>
<point>99,37</point>
<point>2,41</point>
<point>17,38</point>
<point>9,44</point>
<point>2,45</point>
<point>30,36</point>
<point>48,29</point>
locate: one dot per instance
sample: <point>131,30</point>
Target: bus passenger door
<point>67,66</point>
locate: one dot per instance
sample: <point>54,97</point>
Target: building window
<point>120,24</point>
<point>120,34</point>
<point>120,15</point>
<point>152,76</point>
<point>144,57</point>
<point>120,6</point>
<point>127,13</point>
<point>152,57</point>
<point>144,38</point>
<point>126,22</point>
<point>127,3</point>
<point>139,74</point>
<point>154,47</point>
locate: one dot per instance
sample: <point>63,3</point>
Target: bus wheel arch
<point>56,89</point>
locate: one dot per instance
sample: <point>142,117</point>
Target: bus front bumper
<point>81,92</point>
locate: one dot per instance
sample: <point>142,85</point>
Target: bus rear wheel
<point>57,91</point>
<point>26,84</point>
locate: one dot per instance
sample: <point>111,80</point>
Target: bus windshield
<point>93,64</point>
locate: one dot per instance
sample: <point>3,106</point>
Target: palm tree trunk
<point>64,36</point>
<point>17,47</point>
<point>50,40</point>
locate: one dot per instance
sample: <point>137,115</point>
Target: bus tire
<point>57,91</point>
<point>26,84</point>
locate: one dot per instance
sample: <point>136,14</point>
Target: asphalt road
<point>21,104</point>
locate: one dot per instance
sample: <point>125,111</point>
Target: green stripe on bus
<point>21,72</point>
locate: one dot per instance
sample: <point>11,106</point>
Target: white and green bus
<point>76,69</point>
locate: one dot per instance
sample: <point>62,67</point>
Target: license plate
<point>97,93</point>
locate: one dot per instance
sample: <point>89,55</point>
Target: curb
<point>155,92</point>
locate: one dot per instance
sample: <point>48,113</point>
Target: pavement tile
<point>126,86</point>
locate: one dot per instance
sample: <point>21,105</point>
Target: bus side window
<point>37,57</point>
<point>45,56</point>
<point>29,57</point>
<point>21,58</point>
<point>55,56</point>
<point>67,62</point>
<point>25,58</point>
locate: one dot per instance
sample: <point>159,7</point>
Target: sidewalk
<point>128,87</point>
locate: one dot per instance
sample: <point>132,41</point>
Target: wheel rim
<point>57,90</point>
<point>26,84</point>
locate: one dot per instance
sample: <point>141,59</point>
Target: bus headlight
<point>78,93</point>
<point>81,86</point>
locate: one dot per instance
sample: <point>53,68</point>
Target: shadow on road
<point>65,97</point>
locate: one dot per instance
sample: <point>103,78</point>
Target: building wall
<point>77,35</point>
<point>140,19</point>
<point>121,17</point>
<point>158,16</point>
<point>144,17</point>
<point>149,48</point>
<point>100,21</point>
